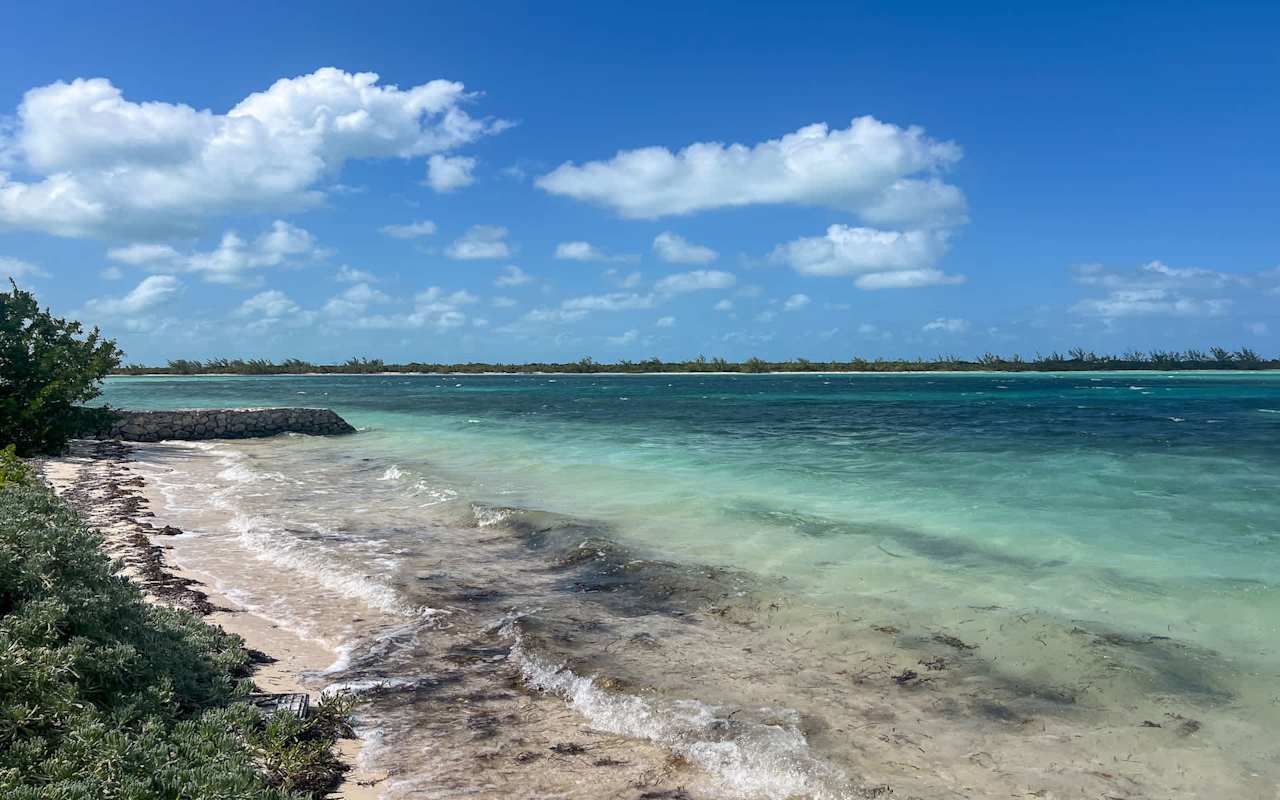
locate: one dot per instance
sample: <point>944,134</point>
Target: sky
<point>516,182</point>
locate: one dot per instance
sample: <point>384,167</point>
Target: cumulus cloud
<point>697,280</point>
<point>796,302</point>
<point>503,302</point>
<point>354,301</point>
<point>272,304</point>
<point>1156,289</point>
<point>1145,302</point>
<point>906,279</point>
<point>580,251</point>
<point>233,260</point>
<point>614,301</point>
<point>871,254</point>
<point>141,254</point>
<point>630,337</point>
<point>946,325</point>
<point>665,322</point>
<point>447,173</point>
<point>433,309</point>
<point>412,230</point>
<point>724,305</point>
<point>586,251</point>
<point>512,276</point>
<point>97,164</point>
<point>878,170</point>
<point>675,249</point>
<point>16,268</point>
<point>480,242</point>
<point>152,291</point>
<point>347,274</point>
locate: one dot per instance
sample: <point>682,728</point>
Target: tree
<point>48,366</point>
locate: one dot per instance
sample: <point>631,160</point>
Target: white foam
<point>487,517</point>
<point>393,473</point>
<point>269,543</point>
<point>758,760</point>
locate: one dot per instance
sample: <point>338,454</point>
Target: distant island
<point>1076,360</point>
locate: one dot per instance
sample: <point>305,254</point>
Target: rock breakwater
<point>237,423</point>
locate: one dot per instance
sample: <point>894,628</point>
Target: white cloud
<point>447,173</point>
<point>233,260</point>
<point>869,253</point>
<point>503,302</point>
<point>480,242</point>
<point>354,301</point>
<point>614,301</point>
<point>906,279</point>
<point>512,276</point>
<point>102,165</point>
<point>142,254</point>
<point>348,274</point>
<point>1147,302</point>
<point>724,305</point>
<point>882,172</point>
<point>676,249</point>
<point>433,308</point>
<point>271,304</point>
<point>412,230</point>
<point>1256,328</point>
<point>579,251</point>
<point>665,322</point>
<point>946,325</point>
<point>766,316</point>
<point>630,337</point>
<point>696,280</point>
<point>796,302</point>
<point>1156,289</point>
<point>16,268</point>
<point>586,251</point>
<point>153,290</point>
<point>111,274</point>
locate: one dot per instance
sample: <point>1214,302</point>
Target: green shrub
<point>105,696</point>
<point>12,468</point>
<point>47,367</point>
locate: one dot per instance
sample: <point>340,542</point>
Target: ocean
<point>826,586</point>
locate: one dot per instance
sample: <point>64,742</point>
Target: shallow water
<point>804,586</point>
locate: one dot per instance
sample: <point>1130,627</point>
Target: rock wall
<point>235,423</point>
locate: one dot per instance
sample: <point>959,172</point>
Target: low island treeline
<point>1076,360</point>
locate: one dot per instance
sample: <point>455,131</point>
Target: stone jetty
<point>231,423</point>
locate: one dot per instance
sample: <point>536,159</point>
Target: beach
<point>753,587</point>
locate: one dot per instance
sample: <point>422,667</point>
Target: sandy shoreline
<point>97,480</point>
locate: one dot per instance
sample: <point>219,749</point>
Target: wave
<point>757,752</point>
<point>269,542</point>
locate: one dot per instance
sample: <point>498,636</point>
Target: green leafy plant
<point>48,366</point>
<point>12,468</point>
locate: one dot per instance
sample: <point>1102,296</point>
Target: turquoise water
<point>1016,512</point>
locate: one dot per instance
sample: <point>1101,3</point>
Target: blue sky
<point>802,179</point>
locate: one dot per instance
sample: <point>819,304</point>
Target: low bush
<point>104,696</point>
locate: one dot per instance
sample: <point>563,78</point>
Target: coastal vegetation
<point>1076,360</point>
<point>104,695</point>
<point>48,368</point>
